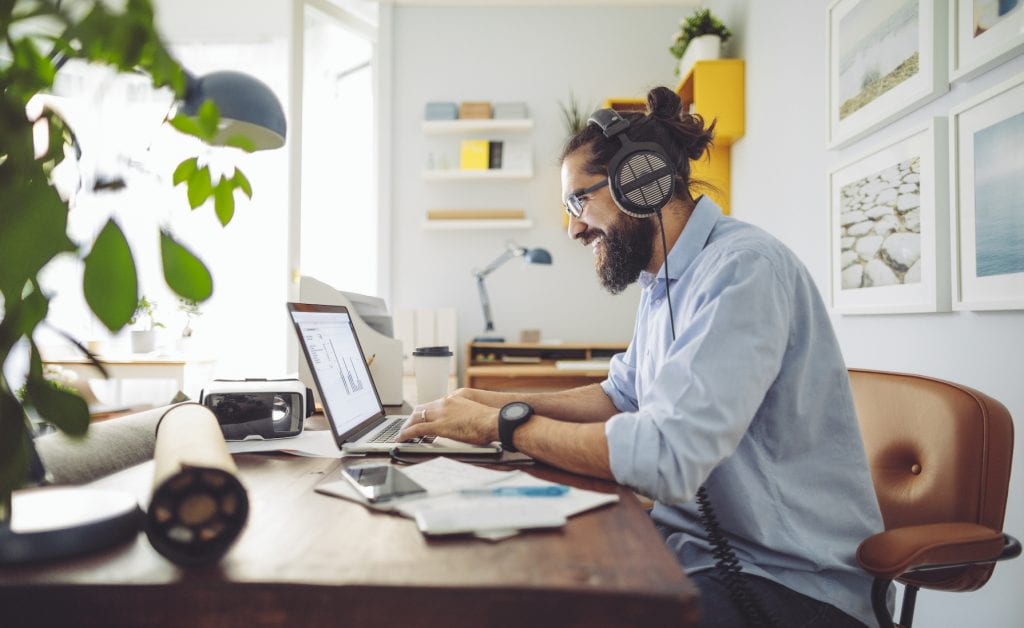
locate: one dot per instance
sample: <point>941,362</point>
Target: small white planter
<point>143,341</point>
<point>700,48</point>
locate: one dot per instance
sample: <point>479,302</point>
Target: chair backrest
<point>939,452</point>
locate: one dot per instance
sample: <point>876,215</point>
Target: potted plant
<point>39,37</point>
<point>191,310</point>
<point>700,37</point>
<point>144,339</point>
<point>574,115</point>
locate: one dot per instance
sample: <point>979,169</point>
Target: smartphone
<point>381,482</point>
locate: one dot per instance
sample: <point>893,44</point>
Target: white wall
<point>779,183</point>
<point>534,55</point>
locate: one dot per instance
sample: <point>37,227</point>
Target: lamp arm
<point>498,261</point>
<point>485,302</point>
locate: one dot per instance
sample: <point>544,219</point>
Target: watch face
<point>515,411</point>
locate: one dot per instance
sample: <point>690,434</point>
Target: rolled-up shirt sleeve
<point>731,340</point>
<point>620,386</point>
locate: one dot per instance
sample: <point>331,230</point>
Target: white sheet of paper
<point>315,443</point>
<point>493,518</point>
<point>443,475</point>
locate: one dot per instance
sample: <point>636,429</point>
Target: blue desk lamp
<point>247,107</point>
<point>530,256</point>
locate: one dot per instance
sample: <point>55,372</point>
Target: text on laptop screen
<point>345,386</point>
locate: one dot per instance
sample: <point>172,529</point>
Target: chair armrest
<point>894,552</point>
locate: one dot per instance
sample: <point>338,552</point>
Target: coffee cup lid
<point>433,352</point>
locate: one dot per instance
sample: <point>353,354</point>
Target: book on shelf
<point>583,365</point>
<point>494,155</point>
<point>475,110</point>
<point>441,111</point>
<point>475,155</point>
<point>509,110</point>
<point>476,214</point>
<point>521,359</point>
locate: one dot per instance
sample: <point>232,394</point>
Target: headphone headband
<point>609,121</point>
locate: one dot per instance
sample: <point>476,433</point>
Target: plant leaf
<point>89,355</point>
<point>21,318</point>
<point>187,125</point>
<point>183,271</point>
<point>13,445</point>
<point>242,183</point>
<point>110,284</point>
<point>185,170</point>
<point>199,187</point>
<point>34,221</point>
<point>64,409</point>
<point>241,141</point>
<point>209,118</point>
<point>224,200</point>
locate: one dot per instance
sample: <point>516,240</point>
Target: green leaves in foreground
<point>13,446</point>
<point>183,271</point>
<point>201,187</point>
<point>110,284</point>
<point>64,409</point>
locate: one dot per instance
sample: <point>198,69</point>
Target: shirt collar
<point>689,243</point>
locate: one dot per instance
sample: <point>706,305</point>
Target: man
<point>733,382</point>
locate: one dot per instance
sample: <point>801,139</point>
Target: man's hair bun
<point>664,104</point>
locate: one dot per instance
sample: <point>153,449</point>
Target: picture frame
<point>889,226</point>
<point>972,53</point>
<point>884,58</point>
<point>987,208</point>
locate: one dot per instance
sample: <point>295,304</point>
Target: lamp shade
<point>247,107</point>
<point>538,256</point>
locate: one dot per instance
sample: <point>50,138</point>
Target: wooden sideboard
<point>534,367</point>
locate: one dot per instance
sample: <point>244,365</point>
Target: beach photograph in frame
<point>885,58</point>
<point>987,217</point>
<point>984,33</point>
<point>888,226</point>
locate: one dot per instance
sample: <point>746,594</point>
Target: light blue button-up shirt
<point>752,399</point>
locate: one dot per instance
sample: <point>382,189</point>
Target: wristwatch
<point>511,416</point>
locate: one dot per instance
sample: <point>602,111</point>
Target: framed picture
<point>984,34</point>
<point>889,227</point>
<point>885,57</point>
<point>986,135</point>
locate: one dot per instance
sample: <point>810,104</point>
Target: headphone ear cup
<point>642,180</point>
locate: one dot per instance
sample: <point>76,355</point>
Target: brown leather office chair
<point>940,457</point>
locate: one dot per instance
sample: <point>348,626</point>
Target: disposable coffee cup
<point>432,365</point>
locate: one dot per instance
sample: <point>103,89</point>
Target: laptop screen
<point>337,361</point>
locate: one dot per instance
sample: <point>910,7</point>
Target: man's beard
<point>626,250</point>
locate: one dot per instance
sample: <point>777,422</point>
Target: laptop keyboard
<point>390,433</point>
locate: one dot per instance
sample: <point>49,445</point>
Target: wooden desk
<point>533,367</point>
<point>307,559</point>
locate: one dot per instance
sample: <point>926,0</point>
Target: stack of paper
<point>447,510</point>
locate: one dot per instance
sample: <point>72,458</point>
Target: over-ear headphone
<point>640,175</point>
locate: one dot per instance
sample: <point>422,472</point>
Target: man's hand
<point>454,416</point>
<point>486,397</point>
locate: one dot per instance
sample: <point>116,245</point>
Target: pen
<point>518,491</point>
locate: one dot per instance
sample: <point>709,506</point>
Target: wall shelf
<point>448,127</point>
<point>459,225</point>
<point>455,174</point>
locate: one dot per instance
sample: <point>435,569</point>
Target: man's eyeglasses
<point>574,202</point>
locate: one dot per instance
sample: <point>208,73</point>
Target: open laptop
<point>349,395</point>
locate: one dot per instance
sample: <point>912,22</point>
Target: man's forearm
<point>582,449</point>
<point>586,404</point>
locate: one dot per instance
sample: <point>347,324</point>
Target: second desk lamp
<point>530,256</point>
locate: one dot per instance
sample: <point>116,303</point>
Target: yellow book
<point>475,155</point>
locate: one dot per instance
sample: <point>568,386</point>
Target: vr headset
<point>259,409</point>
